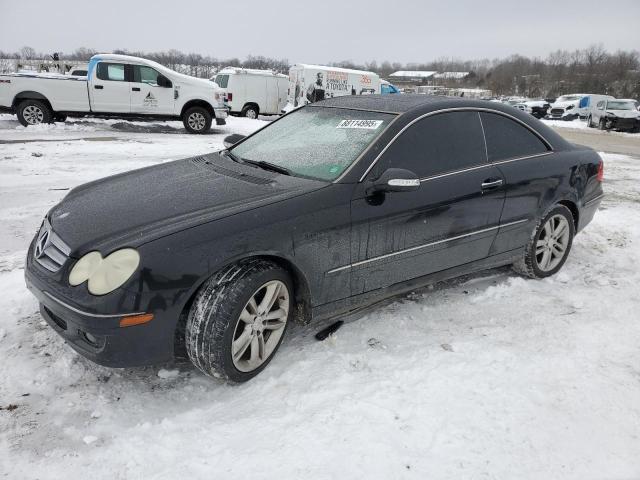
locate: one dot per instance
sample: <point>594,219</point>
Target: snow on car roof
<point>334,69</point>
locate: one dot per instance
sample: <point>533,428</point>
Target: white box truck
<point>251,92</point>
<point>311,83</point>
<point>116,86</point>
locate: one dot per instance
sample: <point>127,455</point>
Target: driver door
<point>449,220</point>
<point>150,94</point>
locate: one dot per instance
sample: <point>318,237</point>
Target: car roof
<point>411,106</point>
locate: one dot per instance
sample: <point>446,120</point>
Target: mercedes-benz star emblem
<point>42,243</point>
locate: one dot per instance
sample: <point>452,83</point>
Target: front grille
<point>557,111</point>
<point>50,251</point>
<point>58,321</point>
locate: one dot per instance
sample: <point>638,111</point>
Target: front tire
<point>589,122</point>
<point>34,112</point>
<point>197,120</point>
<point>549,246</point>
<point>238,320</point>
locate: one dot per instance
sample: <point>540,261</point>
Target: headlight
<point>569,107</point>
<point>104,275</point>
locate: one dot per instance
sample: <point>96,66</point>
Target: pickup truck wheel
<point>549,246</point>
<point>238,320</point>
<point>34,112</point>
<point>197,120</point>
<point>250,111</point>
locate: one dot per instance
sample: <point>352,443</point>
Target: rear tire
<point>197,120</point>
<point>250,111</point>
<point>34,112</point>
<point>549,246</point>
<point>238,320</point>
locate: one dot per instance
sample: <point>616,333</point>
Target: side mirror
<point>230,140</point>
<point>164,82</point>
<point>395,180</point>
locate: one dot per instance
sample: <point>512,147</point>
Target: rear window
<point>222,80</point>
<point>508,139</point>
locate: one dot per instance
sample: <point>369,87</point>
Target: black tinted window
<point>110,71</point>
<point>438,144</point>
<point>508,139</point>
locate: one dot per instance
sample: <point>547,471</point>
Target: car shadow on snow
<point>155,128</point>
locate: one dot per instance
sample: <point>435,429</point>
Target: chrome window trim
<point>594,200</point>
<point>94,315</point>
<point>459,109</point>
<point>430,244</point>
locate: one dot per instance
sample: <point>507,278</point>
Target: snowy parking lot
<point>487,376</point>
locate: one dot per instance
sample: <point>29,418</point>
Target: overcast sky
<point>323,31</point>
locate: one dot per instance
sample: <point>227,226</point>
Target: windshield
<point>620,106</point>
<point>317,142</point>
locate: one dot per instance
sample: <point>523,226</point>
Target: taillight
<point>229,96</point>
<point>600,176</point>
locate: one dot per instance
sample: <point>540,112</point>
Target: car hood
<point>624,113</point>
<point>139,206</point>
<point>565,104</point>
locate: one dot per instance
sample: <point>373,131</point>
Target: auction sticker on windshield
<point>366,124</point>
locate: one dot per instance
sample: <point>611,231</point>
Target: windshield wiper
<point>268,166</point>
<point>232,156</point>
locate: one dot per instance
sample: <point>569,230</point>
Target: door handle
<point>98,87</point>
<point>490,183</point>
<point>136,89</point>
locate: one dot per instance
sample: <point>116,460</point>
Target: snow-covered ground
<point>489,376</point>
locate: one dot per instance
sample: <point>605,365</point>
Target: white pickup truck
<point>116,86</point>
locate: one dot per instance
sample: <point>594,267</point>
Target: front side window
<point>316,142</point>
<point>438,144</point>
<point>222,80</point>
<point>110,71</point>
<point>144,74</point>
<point>508,139</point>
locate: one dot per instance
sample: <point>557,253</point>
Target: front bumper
<point>617,123</point>
<point>95,332</point>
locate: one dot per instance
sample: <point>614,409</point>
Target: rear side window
<point>110,71</point>
<point>439,144</point>
<point>222,80</point>
<point>508,139</point>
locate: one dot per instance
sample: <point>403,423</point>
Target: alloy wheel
<point>552,243</point>
<point>33,115</point>
<point>196,121</point>
<point>260,326</point>
<point>252,114</point>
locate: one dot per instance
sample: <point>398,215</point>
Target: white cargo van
<point>252,92</point>
<point>311,83</point>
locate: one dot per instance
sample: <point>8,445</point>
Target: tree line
<point>589,70</point>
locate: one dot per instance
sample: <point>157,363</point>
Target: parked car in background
<point>331,208</point>
<point>79,71</point>
<point>387,88</point>
<point>250,92</point>
<point>537,108</point>
<point>615,115</point>
<point>312,83</point>
<point>565,107</point>
<point>116,86</point>
<point>588,101</point>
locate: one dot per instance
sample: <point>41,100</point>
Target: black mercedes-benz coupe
<point>331,208</point>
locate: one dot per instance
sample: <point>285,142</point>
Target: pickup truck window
<point>222,80</point>
<point>110,71</point>
<point>144,74</point>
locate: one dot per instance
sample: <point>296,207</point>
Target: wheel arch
<point>198,103</point>
<point>302,294</point>
<point>252,104</point>
<point>573,208</point>
<point>30,95</point>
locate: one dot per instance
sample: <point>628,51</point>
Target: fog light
<point>90,339</point>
